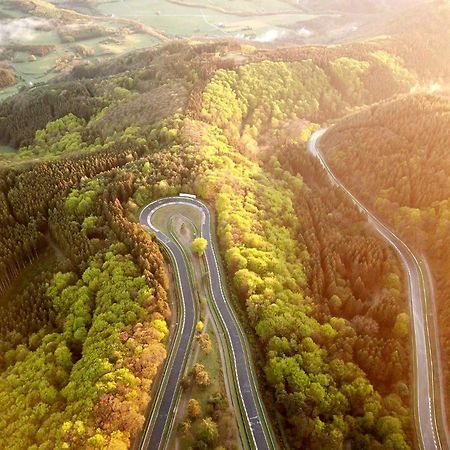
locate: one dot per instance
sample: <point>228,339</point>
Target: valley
<point>187,260</point>
<point>42,40</point>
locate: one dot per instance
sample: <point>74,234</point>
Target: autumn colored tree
<point>201,376</point>
<point>199,245</point>
<point>194,409</point>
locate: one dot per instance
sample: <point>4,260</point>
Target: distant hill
<point>385,67</point>
<point>106,28</point>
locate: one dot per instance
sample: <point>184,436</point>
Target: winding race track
<point>426,359</point>
<point>160,420</point>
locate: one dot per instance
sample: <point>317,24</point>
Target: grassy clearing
<point>168,17</point>
<point>213,366</point>
<point>178,20</point>
<point>6,149</point>
<point>129,43</point>
<point>9,12</point>
<point>261,6</point>
<point>7,92</point>
<point>161,217</point>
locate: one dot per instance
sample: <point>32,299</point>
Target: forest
<point>322,297</point>
<point>395,157</point>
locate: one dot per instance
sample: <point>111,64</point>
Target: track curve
<point>259,433</point>
<point>425,370</point>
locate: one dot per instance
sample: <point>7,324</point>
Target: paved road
<point>161,416</point>
<point>164,404</point>
<point>425,373</point>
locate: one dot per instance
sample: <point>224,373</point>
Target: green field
<point>44,68</point>
<point>6,149</point>
<point>12,13</point>
<point>29,71</point>
<point>179,20</point>
<point>173,20</point>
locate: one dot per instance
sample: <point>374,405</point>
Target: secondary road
<point>259,434</point>
<point>425,371</point>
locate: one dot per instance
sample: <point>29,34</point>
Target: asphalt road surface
<point>424,372</point>
<point>162,414</point>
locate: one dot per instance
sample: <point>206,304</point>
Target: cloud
<point>274,34</point>
<point>271,35</point>
<point>304,32</point>
<point>20,30</point>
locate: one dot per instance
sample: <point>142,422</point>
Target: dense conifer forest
<point>395,157</point>
<point>323,298</point>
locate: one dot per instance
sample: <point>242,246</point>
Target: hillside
<point>86,305</point>
<point>395,156</point>
<point>43,40</point>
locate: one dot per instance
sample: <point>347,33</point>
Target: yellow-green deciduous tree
<point>199,245</point>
